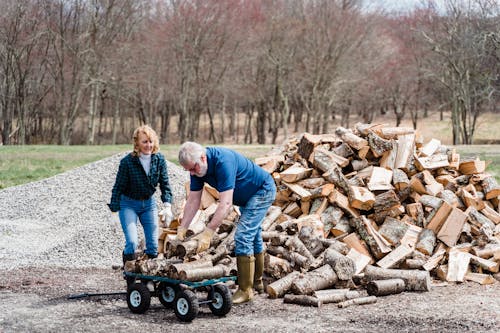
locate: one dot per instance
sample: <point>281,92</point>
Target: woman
<point>138,175</point>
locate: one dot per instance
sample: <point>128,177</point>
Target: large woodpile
<point>371,209</point>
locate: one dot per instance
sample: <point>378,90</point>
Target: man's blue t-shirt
<point>228,170</point>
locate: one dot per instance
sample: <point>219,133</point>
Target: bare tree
<point>464,41</point>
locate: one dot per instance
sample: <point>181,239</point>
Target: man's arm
<point>192,206</point>
<point>223,209</point>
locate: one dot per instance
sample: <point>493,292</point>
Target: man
<point>240,182</point>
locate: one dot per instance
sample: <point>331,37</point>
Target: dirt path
<point>36,301</point>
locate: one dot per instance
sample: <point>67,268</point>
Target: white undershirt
<point>146,162</point>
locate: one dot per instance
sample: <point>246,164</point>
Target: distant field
<point>24,164</point>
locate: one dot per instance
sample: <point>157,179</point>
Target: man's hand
<point>204,239</point>
<point>181,233</point>
<point>166,214</point>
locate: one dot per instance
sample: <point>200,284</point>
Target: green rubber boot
<point>258,285</point>
<point>246,270</point>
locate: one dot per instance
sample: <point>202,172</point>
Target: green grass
<point>24,164</point>
<point>488,153</point>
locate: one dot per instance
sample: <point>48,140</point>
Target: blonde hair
<point>150,133</point>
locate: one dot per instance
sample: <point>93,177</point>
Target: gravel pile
<point>63,221</point>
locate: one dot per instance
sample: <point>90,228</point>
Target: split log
<point>426,242</point>
<point>416,212</point>
<point>488,251</point>
<point>379,247</point>
<point>386,201</point>
<point>385,287</point>
<point>434,260</point>
<point>440,217</point>
<point>482,279</point>
<point>414,280</point>
<point>395,257</point>
<point>343,202</point>
<point>432,162</point>
<point>335,295</point>
<point>469,167</point>
<point>491,188</point>
<point>350,138</point>
<point>491,214</point>
<point>354,242</point>
<point>305,300</point>
<point>430,201</point>
<point>380,179</point>
<point>452,227</point>
<point>334,175</point>
<point>430,147</point>
<point>360,260</point>
<point>324,159</point>
<point>458,262</point>
<point>486,264</point>
<point>406,149</point>
<point>388,159</point>
<point>299,190</point>
<point>320,278</point>
<point>307,144</point>
<point>331,219</point>
<point>343,150</point>
<point>393,230</point>
<point>342,227</point>
<point>279,287</point>
<point>358,301</point>
<point>400,179</point>
<point>312,183</point>
<point>394,132</point>
<point>343,266</point>
<point>361,198</point>
<point>378,145</point>
<point>295,173</point>
<point>411,236</point>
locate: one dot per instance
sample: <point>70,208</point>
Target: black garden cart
<point>178,294</point>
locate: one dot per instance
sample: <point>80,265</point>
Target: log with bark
<point>385,287</point>
<point>414,280</point>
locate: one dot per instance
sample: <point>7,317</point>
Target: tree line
<point>246,71</point>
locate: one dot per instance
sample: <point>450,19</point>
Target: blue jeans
<point>147,213</point>
<point>248,236</point>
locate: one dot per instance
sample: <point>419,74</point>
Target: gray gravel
<point>63,221</point>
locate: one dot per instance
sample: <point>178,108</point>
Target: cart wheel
<point>186,305</point>
<point>221,300</point>
<point>166,294</point>
<point>138,298</point>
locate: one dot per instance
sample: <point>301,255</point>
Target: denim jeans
<point>248,236</point>
<point>147,213</point>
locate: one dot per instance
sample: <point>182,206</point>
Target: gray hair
<point>190,152</point>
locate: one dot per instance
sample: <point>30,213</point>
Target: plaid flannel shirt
<point>132,181</point>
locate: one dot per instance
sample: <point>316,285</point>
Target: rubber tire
<point>138,298</point>
<point>222,300</point>
<point>166,294</point>
<point>186,305</point>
